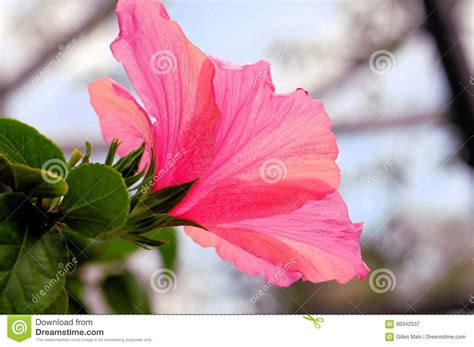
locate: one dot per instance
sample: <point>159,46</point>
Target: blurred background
<point>396,77</point>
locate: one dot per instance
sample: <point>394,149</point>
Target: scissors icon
<point>316,321</point>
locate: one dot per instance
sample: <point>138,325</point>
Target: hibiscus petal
<point>174,80</point>
<point>121,117</point>
<point>244,261</point>
<point>272,152</point>
<point>317,242</point>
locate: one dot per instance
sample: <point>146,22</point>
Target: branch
<point>100,14</point>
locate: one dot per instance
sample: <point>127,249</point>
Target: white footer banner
<point>236,330</point>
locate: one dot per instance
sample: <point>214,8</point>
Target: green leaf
<point>124,295</point>
<point>80,247</point>
<point>163,200</point>
<point>130,181</point>
<point>76,155</point>
<point>113,250</point>
<point>97,203</point>
<point>150,211</point>
<point>144,241</point>
<point>75,289</point>
<point>23,144</point>
<point>30,261</point>
<point>146,185</point>
<point>88,154</point>
<point>149,222</point>
<point>31,181</point>
<point>89,250</point>
<point>111,153</point>
<point>59,305</point>
<point>128,165</point>
<point>169,251</point>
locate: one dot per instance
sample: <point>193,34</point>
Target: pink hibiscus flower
<point>267,188</point>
